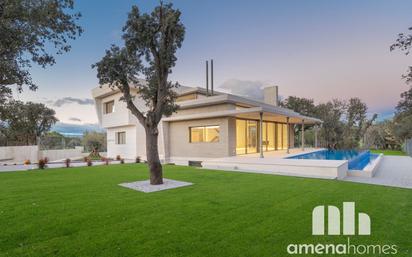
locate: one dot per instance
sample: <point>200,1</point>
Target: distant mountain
<point>75,130</point>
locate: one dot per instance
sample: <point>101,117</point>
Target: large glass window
<point>279,134</point>
<point>246,136</point>
<point>268,136</point>
<point>240,136</point>
<point>285,137</point>
<point>252,134</point>
<point>271,136</point>
<point>208,134</point>
<point>274,136</point>
<point>108,107</point>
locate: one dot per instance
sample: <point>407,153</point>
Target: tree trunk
<point>152,154</point>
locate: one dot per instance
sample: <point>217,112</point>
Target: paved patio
<point>393,171</point>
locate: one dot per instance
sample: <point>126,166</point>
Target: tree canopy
<point>344,122</point>
<point>28,30</point>
<point>22,122</point>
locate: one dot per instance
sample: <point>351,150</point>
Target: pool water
<point>357,160</point>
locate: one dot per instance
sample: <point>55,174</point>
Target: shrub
<point>42,164</point>
<point>107,161</point>
<point>67,162</point>
<point>46,160</point>
<point>89,162</point>
<point>138,159</point>
<point>27,162</point>
<point>103,159</point>
<point>121,161</point>
<point>118,158</point>
<point>86,159</point>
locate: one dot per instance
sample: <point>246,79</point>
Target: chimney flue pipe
<point>207,78</point>
<point>211,75</point>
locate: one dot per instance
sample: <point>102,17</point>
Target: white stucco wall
<point>18,154</point>
<point>60,154</point>
<point>128,150</point>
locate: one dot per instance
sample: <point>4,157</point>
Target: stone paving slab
<point>395,171</point>
<point>145,186</point>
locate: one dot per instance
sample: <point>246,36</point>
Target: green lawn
<point>389,152</point>
<point>83,212</point>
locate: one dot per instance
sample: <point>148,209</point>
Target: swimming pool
<point>357,160</point>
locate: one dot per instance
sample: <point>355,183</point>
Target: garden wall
<point>18,154</point>
<point>408,147</point>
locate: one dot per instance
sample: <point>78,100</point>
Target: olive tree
<point>151,41</point>
<point>27,30</point>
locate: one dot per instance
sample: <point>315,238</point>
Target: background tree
<point>94,140</point>
<point>153,37</point>
<point>381,136</point>
<point>24,122</point>
<point>403,116</point>
<point>332,127</point>
<point>301,105</point>
<point>356,123</point>
<point>27,28</point>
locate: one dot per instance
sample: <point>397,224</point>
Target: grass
<point>83,212</point>
<point>389,152</point>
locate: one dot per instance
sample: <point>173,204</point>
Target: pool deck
<point>395,171</point>
<point>275,163</point>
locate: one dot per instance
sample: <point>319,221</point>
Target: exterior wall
<point>19,154</point>
<point>128,150</point>
<point>232,136</point>
<point>121,116</point>
<point>181,148</point>
<point>55,155</point>
<point>211,108</point>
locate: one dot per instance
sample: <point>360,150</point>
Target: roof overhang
<point>252,113</point>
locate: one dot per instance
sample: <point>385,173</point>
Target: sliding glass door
<point>274,136</point>
<point>246,136</point>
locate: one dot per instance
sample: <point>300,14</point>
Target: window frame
<point>204,128</point>
<point>117,138</point>
<point>105,104</point>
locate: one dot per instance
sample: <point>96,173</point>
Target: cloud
<point>75,119</point>
<point>69,100</point>
<point>250,89</point>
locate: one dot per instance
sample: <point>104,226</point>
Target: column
<point>288,144</point>
<point>316,136</point>
<point>261,134</point>
<point>303,135</point>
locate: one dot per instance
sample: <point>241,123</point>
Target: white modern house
<point>206,126</point>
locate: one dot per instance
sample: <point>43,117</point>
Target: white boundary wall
<point>18,154</point>
<point>54,155</point>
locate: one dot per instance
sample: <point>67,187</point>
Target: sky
<point>310,48</point>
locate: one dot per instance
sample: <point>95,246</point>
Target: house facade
<point>205,126</point>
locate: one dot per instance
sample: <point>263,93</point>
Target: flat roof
<point>252,106</point>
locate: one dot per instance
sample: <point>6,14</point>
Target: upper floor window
<point>121,138</point>
<point>108,107</point>
<point>208,134</point>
